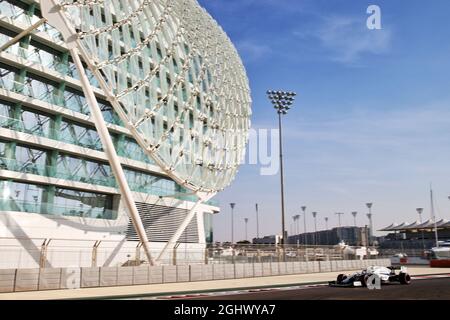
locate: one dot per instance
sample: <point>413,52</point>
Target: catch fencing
<point>59,253</point>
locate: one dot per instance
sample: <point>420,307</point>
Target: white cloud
<point>251,50</point>
<point>347,39</point>
<point>394,127</point>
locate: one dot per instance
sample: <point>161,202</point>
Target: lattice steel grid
<point>175,78</point>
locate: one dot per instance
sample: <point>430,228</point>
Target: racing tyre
<point>341,278</point>
<point>364,280</point>
<point>404,278</point>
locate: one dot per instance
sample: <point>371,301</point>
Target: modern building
<point>60,203</point>
<point>268,240</point>
<point>354,236</point>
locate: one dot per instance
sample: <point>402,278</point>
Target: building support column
<point>111,153</point>
<point>170,245</point>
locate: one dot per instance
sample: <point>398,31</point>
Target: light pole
<point>433,216</point>
<point>314,214</point>
<point>339,214</point>
<point>297,231</point>
<point>326,228</point>
<point>282,101</point>
<point>246,221</point>
<point>354,214</point>
<point>369,215</point>
<point>257,221</point>
<point>292,227</point>
<point>420,211</point>
<point>232,222</point>
<point>304,225</point>
<point>297,218</point>
<point>294,218</point>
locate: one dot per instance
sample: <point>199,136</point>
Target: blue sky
<point>372,117</point>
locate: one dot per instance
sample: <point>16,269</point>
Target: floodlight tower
<point>314,214</point>
<point>297,218</point>
<point>420,211</point>
<point>369,215</point>
<point>282,101</point>
<point>304,224</point>
<point>293,228</point>
<point>339,214</point>
<point>246,221</point>
<point>257,221</point>
<point>354,214</point>
<point>232,205</point>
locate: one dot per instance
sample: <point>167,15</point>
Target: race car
<point>360,279</point>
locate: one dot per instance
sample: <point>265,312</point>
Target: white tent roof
<point>400,227</point>
<point>412,225</point>
<point>442,222</point>
<point>427,224</point>
<point>447,225</point>
<point>389,228</point>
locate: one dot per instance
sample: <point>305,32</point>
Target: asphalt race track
<point>421,289</point>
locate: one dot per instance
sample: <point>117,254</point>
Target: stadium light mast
<point>339,214</point>
<point>354,214</point>
<point>326,227</point>
<point>420,211</point>
<point>369,215</point>
<point>298,229</point>
<point>433,216</point>
<point>304,224</point>
<point>293,228</point>
<point>314,214</point>
<point>232,205</point>
<point>246,221</point>
<point>257,221</point>
<point>282,101</point>
<point>297,218</point>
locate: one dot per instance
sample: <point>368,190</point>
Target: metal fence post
<point>94,253</point>
<point>43,255</point>
<point>175,254</point>
<point>138,254</point>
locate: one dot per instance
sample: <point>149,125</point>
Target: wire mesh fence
<point>42,253</point>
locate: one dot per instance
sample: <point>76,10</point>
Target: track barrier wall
<point>17,280</point>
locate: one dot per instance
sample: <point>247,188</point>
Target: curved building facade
<point>175,97</point>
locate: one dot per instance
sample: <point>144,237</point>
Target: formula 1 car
<point>360,279</point>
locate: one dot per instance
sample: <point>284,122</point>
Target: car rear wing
<point>401,268</point>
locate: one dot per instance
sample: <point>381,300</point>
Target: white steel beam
<point>22,34</point>
<point>176,236</point>
<point>111,153</point>
<point>51,11</point>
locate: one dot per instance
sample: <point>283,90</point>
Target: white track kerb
<point>175,80</point>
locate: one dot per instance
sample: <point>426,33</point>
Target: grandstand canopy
<point>389,228</point>
<point>429,224</point>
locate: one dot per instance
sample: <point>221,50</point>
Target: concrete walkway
<point>191,287</point>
